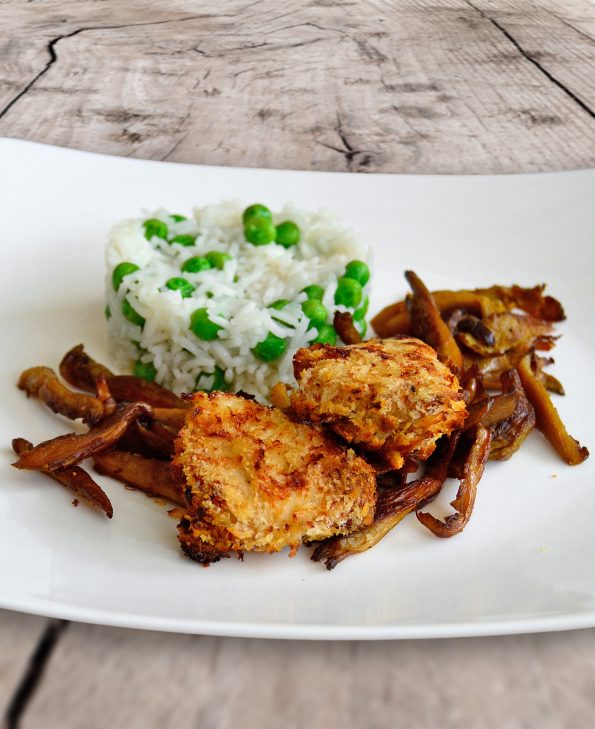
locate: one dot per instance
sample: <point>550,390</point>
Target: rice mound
<point>237,297</point>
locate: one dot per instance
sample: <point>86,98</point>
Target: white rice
<point>254,278</point>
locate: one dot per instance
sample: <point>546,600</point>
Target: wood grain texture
<point>441,86</point>
<point>107,677</point>
<point>19,634</point>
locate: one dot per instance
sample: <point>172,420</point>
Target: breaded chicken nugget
<point>391,396</point>
<point>257,480</point>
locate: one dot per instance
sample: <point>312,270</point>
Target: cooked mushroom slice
<point>171,417</point>
<point>81,371</point>
<point>157,436</point>
<point>127,388</point>
<point>472,472</point>
<point>42,382</point>
<point>395,319</point>
<point>343,323</point>
<point>547,418</point>
<point>530,300</point>
<point>477,328</point>
<point>509,433</point>
<point>501,407</point>
<point>75,479</point>
<point>512,332</point>
<point>156,478</point>
<point>78,369</point>
<point>65,450</point>
<point>428,325</point>
<point>392,506</point>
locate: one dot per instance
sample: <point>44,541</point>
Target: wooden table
<point>442,86</point>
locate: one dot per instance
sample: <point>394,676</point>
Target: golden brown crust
<point>259,481</point>
<point>391,396</point>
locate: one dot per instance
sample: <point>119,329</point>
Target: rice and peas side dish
<point>223,300</point>
<point>361,433</point>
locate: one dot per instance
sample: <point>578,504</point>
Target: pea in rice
<point>222,300</point>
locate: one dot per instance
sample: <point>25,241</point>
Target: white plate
<point>524,563</point>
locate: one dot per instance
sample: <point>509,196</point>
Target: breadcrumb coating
<point>390,396</point>
<point>259,481</point>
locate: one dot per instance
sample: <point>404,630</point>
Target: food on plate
<point>547,417</point>
<point>392,506</point>
<point>359,434</point>
<point>222,300</point>
<point>427,324</point>
<point>471,471</point>
<point>392,397</point>
<point>75,479</point>
<point>42,382</point>
<point>257,480</point>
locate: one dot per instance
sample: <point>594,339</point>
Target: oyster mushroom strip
<point>154,477</point>
<point>510,415</point>
<point>392,506</point>
<point>79,370</point>
<point>510,332</point>
<point>42,382</point>
<point>66,450</point>
<point>547,417</point>
<point>158,435</point>
<point>509,433</point>
<point>491,368</point>
<point>343,323</point>
<point>472,471</point>
<point>395,319</point>
<point>75,479</point>
<point>530,300</point>
<point>427,324</point>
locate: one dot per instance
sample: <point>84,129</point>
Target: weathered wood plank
<point>106,677</point>
<point>19,634</point>
<point>409,86</point>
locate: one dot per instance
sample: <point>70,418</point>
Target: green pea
<point>361,326</point>
<point>358,271</point>
<point>326,335</point>
<point>146,370</point>
<point>259,231</point>
<point>196,264</point>
<point>183,240</point>
<point>218,381</point>
<point>108,312</point>
<point>256,211</point>
<point>270,348</point>
<point>315,311</point>
<point>288,234</point>
<point>155,229</point>
<point>132,314</point>
<point>202,326</point>
<point>217,259</point>
<point>363,309</point>
<point>178,218</point>
<point>279,304</point>
<point>348,293</point>
<point>182,285</point>
<point>122,269</point>
<point>314,292</point>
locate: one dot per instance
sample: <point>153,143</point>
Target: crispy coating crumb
<point>391,396</point>
<point>259,481</point>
